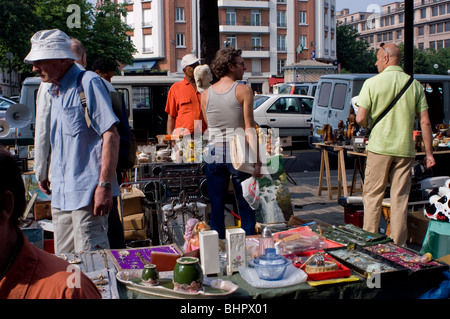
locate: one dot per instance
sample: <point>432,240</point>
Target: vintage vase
<point>188,275</point>
<point>150,274</point>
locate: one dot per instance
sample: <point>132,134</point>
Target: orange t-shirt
<point>36,274</point>
<point>183,104</point>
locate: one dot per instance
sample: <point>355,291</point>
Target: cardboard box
<point>417,227</point>
<point>42,210</point>
<point>132,202</point>
<point>138,234</point>
<point>134,222</point>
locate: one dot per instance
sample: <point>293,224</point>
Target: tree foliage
<point>101,31</point>
<point>353,54</point>
<point>356,56</point>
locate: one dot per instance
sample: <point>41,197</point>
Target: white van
<point>145,97</point>
<point>301,88</point>
<point>333,100</point>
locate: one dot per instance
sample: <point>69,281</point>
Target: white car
<point>290,113</point>
<point>5,103</point>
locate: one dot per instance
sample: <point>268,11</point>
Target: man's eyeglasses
<point>241,63</point>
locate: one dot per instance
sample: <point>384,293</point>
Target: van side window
<point>302,90</point>
<point>324,94</point>
<point>338,99</point>
<point>313,91</point>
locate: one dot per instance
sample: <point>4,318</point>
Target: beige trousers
<point>381,170</point>
<point>79,230</point>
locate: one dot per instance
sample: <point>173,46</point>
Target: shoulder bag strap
<point>83,98</point>
<point>394,101</point>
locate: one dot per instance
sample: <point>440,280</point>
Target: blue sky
<point>360,5</point>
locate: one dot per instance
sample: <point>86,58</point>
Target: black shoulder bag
<point>394,101</point>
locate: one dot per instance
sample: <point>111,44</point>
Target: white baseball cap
<point>189,59</point>
<point>50,44</point>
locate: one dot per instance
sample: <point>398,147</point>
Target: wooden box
<point>42,210</point>
<point>134,222</point>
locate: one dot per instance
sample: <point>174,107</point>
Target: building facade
<point>386,23</point>
<point>271,33</point>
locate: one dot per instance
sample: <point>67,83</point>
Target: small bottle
<point>426,258</point>
<point>265,241</point>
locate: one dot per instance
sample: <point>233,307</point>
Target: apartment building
<point>386,23</point>
<point>271,33</point>
<point>9,82</point>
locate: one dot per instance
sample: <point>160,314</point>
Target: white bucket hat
<point>189,59</point>
<point>50,44</point>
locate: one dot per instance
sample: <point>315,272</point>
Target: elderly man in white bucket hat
<point>84,145</point>
<point>183,100</point>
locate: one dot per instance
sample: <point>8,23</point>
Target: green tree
<point>107,37</point>
<point>101,31</point>
<point>17,25</point>
<point>354,54</point>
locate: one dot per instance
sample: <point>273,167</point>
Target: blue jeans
<point>217,179</point>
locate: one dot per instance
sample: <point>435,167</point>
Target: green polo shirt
<point>393,134</point>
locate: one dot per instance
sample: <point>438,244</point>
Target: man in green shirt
<point>391,146</point>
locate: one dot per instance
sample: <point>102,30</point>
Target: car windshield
<point>4,104</point>
<point>258,100</point>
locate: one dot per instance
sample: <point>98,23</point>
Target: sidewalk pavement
<point>308,205</point>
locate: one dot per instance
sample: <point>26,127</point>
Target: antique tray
<point>365,263</point>
<point>299,259</point>
<point>136,258</point>
<point>132,280</point>
<point>350,234</point>
<point>407,258</point>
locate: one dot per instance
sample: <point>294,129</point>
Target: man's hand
<point>429,161</point>
<point>102,201</point>
<point>44,186</point>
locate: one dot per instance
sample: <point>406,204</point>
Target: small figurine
<point>327,134</point>
<point>339,133</point>
<point>192,229</point>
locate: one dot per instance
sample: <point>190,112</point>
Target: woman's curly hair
<point>224,56</point>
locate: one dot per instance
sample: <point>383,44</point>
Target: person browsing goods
<point>227,105</point>
<point>84,145</point>
<point>183,101</point>
<point>391,147</point>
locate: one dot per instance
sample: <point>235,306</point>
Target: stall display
<point>408,259</point>
<point>366,263</point>
<point>137,258</point>
<point>319,265</point>
<point>270,266</point>
<point>351,234</point>
<point>301,239</point>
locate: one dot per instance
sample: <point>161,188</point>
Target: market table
<point>99,266</point>
<point>345,290</point>
<point>325,166</point>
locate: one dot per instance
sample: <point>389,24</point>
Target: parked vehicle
<point>145,98</point>
<point>5,104</point>
<point>304,88</point>
<point>290,113</point>
<point>334,93</point>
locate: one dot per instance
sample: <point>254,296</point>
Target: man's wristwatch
<point>105,185</point>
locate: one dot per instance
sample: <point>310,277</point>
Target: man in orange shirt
<point>183,100</point>
<point>27,272</point>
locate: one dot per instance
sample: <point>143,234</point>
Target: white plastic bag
<point>250,191</point>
